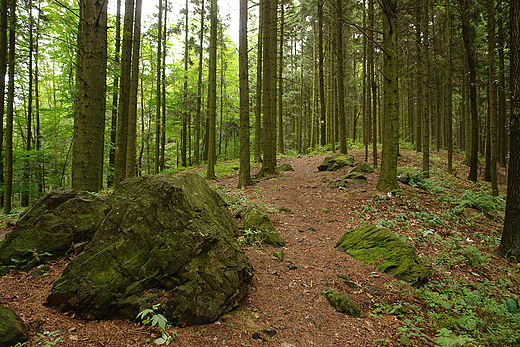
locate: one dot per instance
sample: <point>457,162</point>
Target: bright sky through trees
<point>227,8</point>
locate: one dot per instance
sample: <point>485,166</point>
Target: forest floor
<point>285,306</point>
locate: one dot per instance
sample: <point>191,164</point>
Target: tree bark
<point>468,36</point>
<point>269,85</point>
<point>510,242</point>
<point>244,177</point>
<point>340,73</point>
<point>4,8</point>
<point>321,57</point>
<point>115,98</point>
<point>449,90</point>
<point>131,150</point>
<point>8,183</point>
<point>212,92</point>
<point>89,117</point>
<point>124,98</point>
<point>197,127</point>
<point>388,177</point>
<point>158,92</point>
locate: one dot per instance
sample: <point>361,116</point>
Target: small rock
<point>342,303</point>
<point>12,329</point>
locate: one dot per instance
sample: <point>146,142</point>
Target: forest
<point>92,96</point>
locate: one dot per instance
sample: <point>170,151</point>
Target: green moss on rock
<point>342,303</point>
<point>261,228</point>
<point>50,227</point>
<point>336,162</point>
<point>12,329</point>
<point>161,233</point>
<point>381,247</point>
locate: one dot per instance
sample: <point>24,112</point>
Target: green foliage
<point>447,338</point>
<point>416,180</point>
<point>471,313</point>
<point>254,237</point>
<point>482,202</point>
<point>152,317</point>
<point>398,308</point>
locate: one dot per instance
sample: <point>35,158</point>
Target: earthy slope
<point>285,306</point>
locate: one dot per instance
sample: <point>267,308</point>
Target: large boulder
<point>336,162</point>
<point>391,253</point>
<point>12,329</point>
<point>168,240</point>
<point>51,227</point>
<point>259,228</point>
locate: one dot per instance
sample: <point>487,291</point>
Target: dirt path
<point>285,306</point>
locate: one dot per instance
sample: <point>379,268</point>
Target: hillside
<point>453,224</point>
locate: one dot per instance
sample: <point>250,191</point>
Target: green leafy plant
<point>44,340</point>
<point>152,317</point>
<point>447,338</point>
<point>253,236</point>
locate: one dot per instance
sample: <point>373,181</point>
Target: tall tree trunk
<point>502,126</point>
<point>244,177</point>
<point>280,137</point>
<point>340,74</point>
<point>115,98</point>
<point>131,149</point>
<point>321,57</point>
<point>212,92</point>
<point>162,160</point>
<point>28,144</point>
<point>425,81</point>
<point>184,131</point>
<point>468,36</point>
<point>124,98</point>
<point>4,8</point>
<point>390,118</point>
<point>197,127</point>
<point>269,85</point>
<point>40,177</point>
<point>492,96</point>
<point>8,183</point>
<point>449,89</point>
<point>510,242</point>
<point>158,92</point>
<point>258,145</point>
<point>89,117</point>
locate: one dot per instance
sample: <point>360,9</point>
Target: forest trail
<point>285,306</point>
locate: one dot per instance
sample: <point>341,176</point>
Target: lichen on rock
<point>381,247</point>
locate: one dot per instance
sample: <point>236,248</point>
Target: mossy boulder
<point>12,329</point>
<point>342,303</point>
<point>259,228</point>
<point>362,168</point>
<point>336,162</point>
<point>356,177</point>
<point>51,226</point>
<point>167,240</point>
<point>391,253</point>
<point>284,167</point>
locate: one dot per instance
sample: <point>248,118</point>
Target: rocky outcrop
<point>259,228</point>
<point>336,162</point>
<point>12,329</point>
<point>52,227</point>
<point>163,240</point>
<point>381,247</point>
